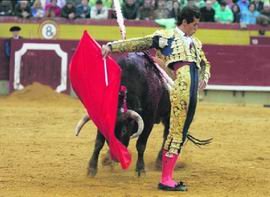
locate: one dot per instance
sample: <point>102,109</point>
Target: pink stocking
<point>168,164</point>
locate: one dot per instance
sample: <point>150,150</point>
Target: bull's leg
<point>166,123</point>
<point>93,163</point>
<point>141,145</point>
<point>107,161</point>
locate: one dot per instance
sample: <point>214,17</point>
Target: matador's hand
<point>202,84</point>
<point>105,50</point>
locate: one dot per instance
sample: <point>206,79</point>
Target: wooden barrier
<point>47,62</point>
<point>259,40</point>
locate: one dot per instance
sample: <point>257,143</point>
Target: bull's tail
<point>199,142</point>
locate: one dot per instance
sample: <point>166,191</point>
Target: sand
<point>41,156</point>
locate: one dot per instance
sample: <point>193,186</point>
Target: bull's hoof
<point>92,172</point>
<point>107,161</point>
<point>140,172</point>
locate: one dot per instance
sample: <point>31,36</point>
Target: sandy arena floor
<point>40,155</point>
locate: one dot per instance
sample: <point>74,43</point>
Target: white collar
<point>188,39</point>
<point>179,31</point>
<point>17,37</point>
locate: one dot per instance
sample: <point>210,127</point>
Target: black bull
<point>147,95</point>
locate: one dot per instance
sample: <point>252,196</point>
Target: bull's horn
<point>135,116</point>
<point>81,123</point>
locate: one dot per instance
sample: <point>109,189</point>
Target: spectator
<point>60,3</point>
<point>169,5</point>
<point>146,12</point>
<point>74,2</point>
<point>230,3</point>
<point>52,10</point>
<point>183,3</point>
<point>83,9</point>
<point>250,16</point>
<point>175,9</point>
<point>106,3</point>
<point>197,3</point>
<point>215,5</point>
<point>14,3</point>
<point>266,10</point>
<point>207,12</point>
<point>243,5</point>
<point>23,9</point>
<point>37,9</point>
<point>162,10</point>
<point>69,11</point>
<point>264,18</point>
<point>236,13</point>
<point>15,30</point>
<point>6,8</point>
<point>224,15</point>
<point>130,9</point>
<point>258,5</point>
<point>99,11</point>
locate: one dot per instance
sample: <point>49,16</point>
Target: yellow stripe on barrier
<point>106,33</point>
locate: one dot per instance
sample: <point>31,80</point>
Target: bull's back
<point>146,91</point>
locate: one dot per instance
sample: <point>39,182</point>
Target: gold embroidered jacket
<point>171,47</point>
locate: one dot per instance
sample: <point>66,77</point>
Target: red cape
<point>87,76</point>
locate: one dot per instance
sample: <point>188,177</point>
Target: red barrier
<point>231,65</point>
<point>41,60</point>
<point>239,65</point>
<point>259,40</point>
<point>4,62</point>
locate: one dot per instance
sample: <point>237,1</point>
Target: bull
<point>148,104</point>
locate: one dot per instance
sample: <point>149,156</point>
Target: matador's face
<point>191,28</point>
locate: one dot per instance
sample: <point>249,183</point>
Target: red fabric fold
<point>87,76</point>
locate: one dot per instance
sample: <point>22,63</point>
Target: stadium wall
<point>239,73</point>
<point>208,33</point>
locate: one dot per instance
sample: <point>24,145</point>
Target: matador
<point>182,53</point>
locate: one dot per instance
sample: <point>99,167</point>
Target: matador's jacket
<point>185,56</point>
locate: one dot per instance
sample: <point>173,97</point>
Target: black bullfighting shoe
<point>181,187</point>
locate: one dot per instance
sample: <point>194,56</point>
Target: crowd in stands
<point>221,11</point>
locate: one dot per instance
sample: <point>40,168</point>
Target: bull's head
<point>129,123</point>
<point>126,123</point>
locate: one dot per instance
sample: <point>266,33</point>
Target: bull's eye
<point>124,130</point>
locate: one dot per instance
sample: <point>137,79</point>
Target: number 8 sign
<point>48,30</point>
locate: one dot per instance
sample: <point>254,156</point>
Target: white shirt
<point>102,15</point>
<point>188,40</point>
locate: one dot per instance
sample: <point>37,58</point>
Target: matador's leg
<point>183,104</point>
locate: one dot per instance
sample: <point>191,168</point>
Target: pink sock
<point>168,164</point>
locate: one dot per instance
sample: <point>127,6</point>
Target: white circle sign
<point>49,31</point>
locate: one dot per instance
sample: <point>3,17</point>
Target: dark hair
<point>188,13</point>
<point>255,7</point>
<point>223,3</point>
<point>99,2</point>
